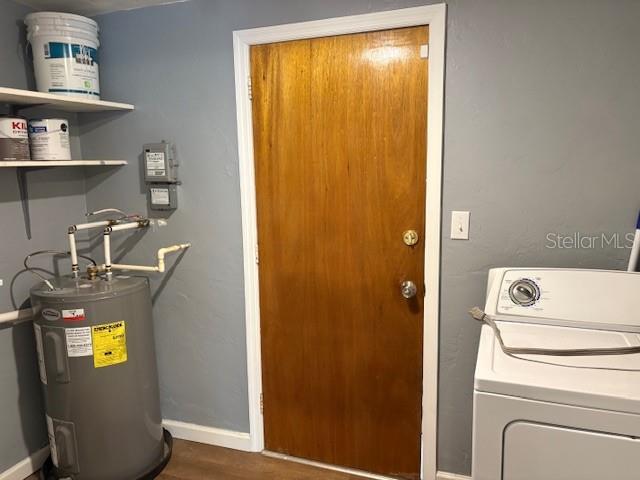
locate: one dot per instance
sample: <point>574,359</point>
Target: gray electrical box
<point>163,196</point>
<point>160,163</point>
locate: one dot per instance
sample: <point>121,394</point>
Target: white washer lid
<point>609,382</point>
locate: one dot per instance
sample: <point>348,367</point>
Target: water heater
<point>98,371</point>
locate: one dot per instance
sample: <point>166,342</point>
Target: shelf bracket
<point>24,199</point>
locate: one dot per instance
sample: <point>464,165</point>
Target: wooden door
<point>340,156</point>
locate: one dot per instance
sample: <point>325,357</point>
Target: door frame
<point>435,17</point>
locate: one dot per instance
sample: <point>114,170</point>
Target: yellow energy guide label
<point>109,344</point>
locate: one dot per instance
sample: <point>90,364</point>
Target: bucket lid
<point>59,19</point>
<point>48,120</point>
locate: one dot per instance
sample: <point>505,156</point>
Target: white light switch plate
<point>460,225</point>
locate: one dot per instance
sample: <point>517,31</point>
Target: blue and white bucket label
<point>73,68</point>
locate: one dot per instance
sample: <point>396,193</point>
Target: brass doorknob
<point>408,289</point>
<point>410,237</point>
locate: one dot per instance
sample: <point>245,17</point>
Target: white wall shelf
<point>19,100</point>
<point>28,98</point>
<point>62,163</point>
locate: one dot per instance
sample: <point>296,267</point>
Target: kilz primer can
<point>14,139</point>
<point>49,139</point>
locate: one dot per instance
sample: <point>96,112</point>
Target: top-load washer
<point>539,417</point>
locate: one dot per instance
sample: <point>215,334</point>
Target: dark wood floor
<point>196,461</point>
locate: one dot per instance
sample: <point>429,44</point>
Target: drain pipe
<point>160,267</point>
<point>16,317</point>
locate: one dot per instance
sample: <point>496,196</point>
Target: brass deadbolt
<point>410,237</point>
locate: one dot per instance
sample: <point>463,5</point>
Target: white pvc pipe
<point>107,242</point>
<point>17,316</point>
<point>72,241</point>
<point>635,253</point>
<point>164,251</point>
<point>136,268</point>
<point>125,226</point>
<point>107,250</point>
<point>160,267</point>
<point>87,226</point>
<point>74,253</point>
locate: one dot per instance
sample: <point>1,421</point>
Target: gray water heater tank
<point>98,370</point>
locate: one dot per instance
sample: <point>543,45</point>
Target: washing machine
<point>539,417</point>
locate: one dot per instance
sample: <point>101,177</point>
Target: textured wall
<point>57,199</point>
<point>542,105</point>
<point>540,136</point>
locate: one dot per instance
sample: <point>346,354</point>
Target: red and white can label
<point>75,315</point>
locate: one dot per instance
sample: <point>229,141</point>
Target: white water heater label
<point>155,164</point>
<point>75,315</point>
<point>79,342</point>
<point>52,441</point>
<point>41,367</point>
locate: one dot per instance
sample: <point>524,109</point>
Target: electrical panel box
<point>163,197</point>
<point>160,163</point>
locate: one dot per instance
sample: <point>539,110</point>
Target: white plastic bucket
<point>65,53</point>
<point>49,139</point>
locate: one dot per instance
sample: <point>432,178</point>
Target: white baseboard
<point>208,435</point>
<point>26,467</point>
<point>451,476</point>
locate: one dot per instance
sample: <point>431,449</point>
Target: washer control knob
<point>524,292</point>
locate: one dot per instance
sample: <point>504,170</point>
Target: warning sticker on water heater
<point>79,342</point>
<point>109,344</point>
<point>75,315</point>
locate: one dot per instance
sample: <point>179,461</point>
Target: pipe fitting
<point>92,272</point>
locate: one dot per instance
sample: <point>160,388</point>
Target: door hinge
<point>424,51</point>
<point>257,254</point>
<point>262,403</point>
<point>249,88</point>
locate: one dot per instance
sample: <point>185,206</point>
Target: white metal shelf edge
<point>62,163</point>
<point>27,98</point>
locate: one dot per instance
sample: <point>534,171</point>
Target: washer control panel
<point>604,299</point>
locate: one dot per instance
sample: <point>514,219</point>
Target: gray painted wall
<point>57,198</point>
<point>540,137</point>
